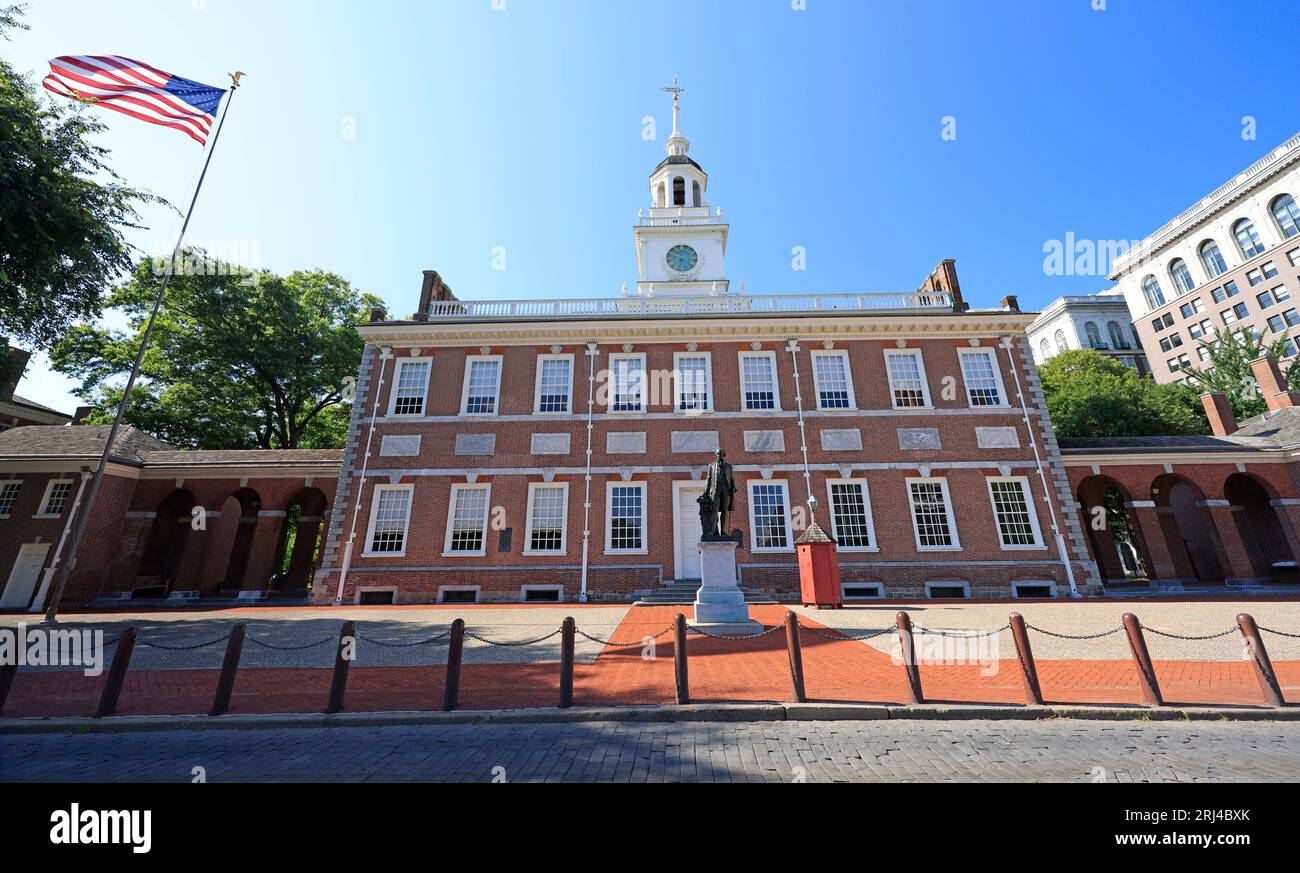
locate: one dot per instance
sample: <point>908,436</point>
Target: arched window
<point>1117,337</point>
<point>1045,349</point>
<point>1061,344</point>
<point>1247,238</point>
<point>1181,276</point>
<point>1094,334</point>
<point>1151,288</point>
<point>696,200</point>
<point>1287,215</point>
<point>679,191</point>
<point>1212,258</point>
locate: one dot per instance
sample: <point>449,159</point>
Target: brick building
<point>554,449</point>
<point>145,538</point>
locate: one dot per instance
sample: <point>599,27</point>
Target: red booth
<point>819,569</point>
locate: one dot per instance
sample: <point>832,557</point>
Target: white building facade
<point>1087,321</point>
<point>1230,262</point>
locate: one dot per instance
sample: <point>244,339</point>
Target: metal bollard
<point>1028,671</point>
<point>229,667</point>
<point>1142,660</point>
<point>679,660</point>
<point>566,662</point>
<point>339,685</point>
<point>7,673</point>
<point>455,651</point>
<point>1263,666</point>
<point>796,657</point>
<point>116,674</point>
<point>909,658</point>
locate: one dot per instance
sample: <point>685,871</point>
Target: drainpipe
<point>385,354</point>
<point>592,352</point>
<point>792,346</point>
<point>50,572</point>
<point>1062,551</point>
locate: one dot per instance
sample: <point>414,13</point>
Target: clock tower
<point>680,244</point>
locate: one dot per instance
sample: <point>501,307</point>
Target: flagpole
<point>62,572</point>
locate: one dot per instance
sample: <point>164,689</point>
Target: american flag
<point>138,90</point>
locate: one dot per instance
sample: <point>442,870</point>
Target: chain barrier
<point>1231,630</point>
<point>167,648</point>
<point>280,648</point>
<point>773,629</point>
<point>1278,632</point>
<point>845,635</point>
<point>959,634</point>
<point>512,644</point>
<point>386,645</point>
<point>640,642</point>
<point>1061,636</point>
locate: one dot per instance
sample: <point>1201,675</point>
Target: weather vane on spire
<point>674,90</point>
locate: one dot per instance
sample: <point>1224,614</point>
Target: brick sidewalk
<point>720,670</point>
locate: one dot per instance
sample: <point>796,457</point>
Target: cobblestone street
<point>956,751</point>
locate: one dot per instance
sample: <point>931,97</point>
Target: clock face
<point>682,258</point>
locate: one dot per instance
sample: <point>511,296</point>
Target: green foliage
<point>1228,370</point>
<point>237,359</point>
<point>62,212</point>
<point>1092,395</point>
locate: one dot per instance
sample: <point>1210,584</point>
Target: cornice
<point>782,326</point>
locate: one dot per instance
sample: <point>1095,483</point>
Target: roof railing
<point>722,304</point>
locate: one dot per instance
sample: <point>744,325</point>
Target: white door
<point>687,533</point>
<point>22,580</point>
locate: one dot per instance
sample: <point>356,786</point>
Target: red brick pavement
<point>720,670</point>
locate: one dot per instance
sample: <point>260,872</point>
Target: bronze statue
<point>718,499</point>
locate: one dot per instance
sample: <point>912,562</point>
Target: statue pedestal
<point>720,604</point>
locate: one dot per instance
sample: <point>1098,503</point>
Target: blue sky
<point>477,127</point>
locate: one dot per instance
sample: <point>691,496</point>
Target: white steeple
<point>679,246</point>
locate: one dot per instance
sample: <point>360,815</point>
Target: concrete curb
<point>714,712</point>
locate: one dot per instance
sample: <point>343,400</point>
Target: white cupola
<point>680,245</point>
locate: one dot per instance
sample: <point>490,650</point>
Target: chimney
<point>943,279</point>
<point>1010,303</point>
<point>79,417</point>
<point>377,313</point>
<point>432,290</point>
<point>11,371</point>
<point>1272,384</point>
<point>1219,411</point>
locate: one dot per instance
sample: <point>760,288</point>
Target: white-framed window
<point>458,593</point>
<point>979,370</point>
<point>627,382</point>
<point>862,590</point>
<point>390,519</point>
<point>548,515</point>
<point>851,522</point>
<point>1013,511</point>
<point>908,388</point>
<point>932,517</point>
<point>1247,239</point>
<point>467,519</point>
<point>55,498</point>
<point>758,387</point>
<point>410,386</point>
<point>948,590</point>
<point>1033,588</point>
<point>481,394</point>
<point>541,593</point>
<point>1181,276</point>
<point>1212,259</point>
<point>554,392</point>
<point>625,529</point>
<point>832,380</point>
<point>769,516</point>
<point>9,496</point>
<point>693,375</point>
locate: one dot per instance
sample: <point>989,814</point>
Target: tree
<point>1227,370</point>
<point>1092,395</point>
<point>237,359</point>
<point>62,211</point>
